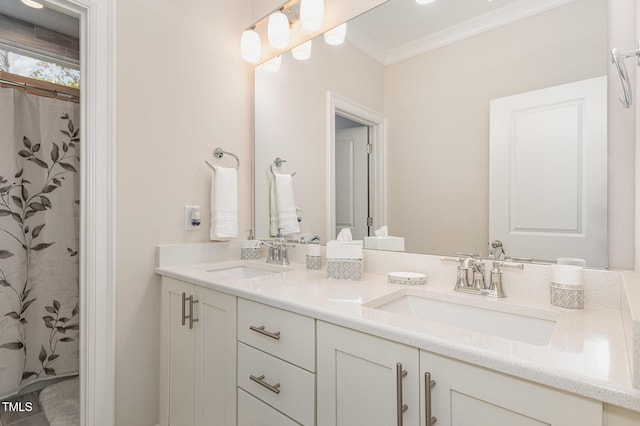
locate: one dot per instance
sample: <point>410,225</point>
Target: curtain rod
<point>28,86</point>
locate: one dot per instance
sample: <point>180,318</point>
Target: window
<point>27,66</point>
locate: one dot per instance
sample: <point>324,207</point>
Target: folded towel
<point>224,203</point>
<point>282,206</point>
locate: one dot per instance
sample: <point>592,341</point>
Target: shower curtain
<point>39,237</point>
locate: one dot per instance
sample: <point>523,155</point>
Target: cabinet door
<point>357,379</point>
<point>215,358</point>
<point>177,357</point>
<point>467,395</point>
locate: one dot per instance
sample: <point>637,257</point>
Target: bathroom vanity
<point>247,343</point>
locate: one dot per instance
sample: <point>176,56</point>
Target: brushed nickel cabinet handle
<point>274,335</point>
<point>260,380</point>
<point>401,408</point>
<point>191,318</point>
<point>184,302</point>
<point>428,384</point>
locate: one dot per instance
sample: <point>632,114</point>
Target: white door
<point>466,395</point>
<point>357,379</point>
<point>352,176</point>
<point>215,355</point>
<point>548,172</point>
<point>177,357</point>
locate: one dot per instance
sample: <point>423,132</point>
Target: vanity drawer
<point>286,387</point>
<point>253,412</point>
<point>283,334</point>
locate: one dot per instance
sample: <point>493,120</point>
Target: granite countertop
<point>586,355</point>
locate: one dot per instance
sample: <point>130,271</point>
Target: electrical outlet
<point>192,218</point>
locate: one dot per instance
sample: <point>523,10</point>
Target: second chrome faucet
<point>471,277</point>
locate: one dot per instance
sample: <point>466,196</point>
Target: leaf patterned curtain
<point>39,237</point>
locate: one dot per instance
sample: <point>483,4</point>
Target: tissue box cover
<point>344,249</point>
<point>384,243</point>
<point>344,269</point>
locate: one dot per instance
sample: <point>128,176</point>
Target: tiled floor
<point>35,417</point>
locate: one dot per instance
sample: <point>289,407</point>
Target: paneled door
<point>548,172</point>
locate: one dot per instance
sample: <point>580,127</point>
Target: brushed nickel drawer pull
<point>401,407</point>
<point>428,384</point>
<point>261,330</point>
<point>260,380</point>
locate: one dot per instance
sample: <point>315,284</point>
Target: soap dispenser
<point>250,248</point>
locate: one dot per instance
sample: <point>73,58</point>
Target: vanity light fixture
<point>250,46</point>
<point>311,14</point>
<point>278,30</point>
<point>302,52</point>
<point>273,64</point>
<point>427,1</point>
<point>33,4</point>
<point>337,35</point>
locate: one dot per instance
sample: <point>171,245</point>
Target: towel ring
<point>218,153</point>
<point>617,59</point>
<point>278,163</point>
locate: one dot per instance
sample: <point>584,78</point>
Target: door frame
<point>377,123</point>
<point>97,207</point>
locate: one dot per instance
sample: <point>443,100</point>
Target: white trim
<point>97,223</point>
<point>505,15</point>
<point>378,173</point>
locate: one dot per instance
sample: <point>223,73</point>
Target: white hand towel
<point>224,203</point>
<point>284,217</point>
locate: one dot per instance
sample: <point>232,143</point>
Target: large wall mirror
<point>424,85</point>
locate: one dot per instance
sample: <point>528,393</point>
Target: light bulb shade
<point>278,30</point>
<point>426,1</point>
<point>33,4</point>
<point>337,35</point>
<point>250,46</point>
<point>302,52</point>
<point>311,14</point>
<point>273,64</point>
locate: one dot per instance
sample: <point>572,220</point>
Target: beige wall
<point>182,90</point>
<point>437,106</point>
<point>291,123</point>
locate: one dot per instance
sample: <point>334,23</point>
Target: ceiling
<point>399,29</point>
<point>46,17</point>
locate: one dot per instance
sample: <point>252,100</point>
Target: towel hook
<point>218,153</point>
<point>278,163</point>
<point>617,59</point>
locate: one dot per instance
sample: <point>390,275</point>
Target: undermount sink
<point>242,271</point>
<point>536,330</point>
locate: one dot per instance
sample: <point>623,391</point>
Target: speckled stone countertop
<point>587,353</point>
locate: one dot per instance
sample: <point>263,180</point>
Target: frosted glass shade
<point>337,35</point>
<point>302,52</point>
<point>250,46</point>
<point>311,14</point>
<point>426,1</point>
<point>278,30</point>
<point>33,4</point>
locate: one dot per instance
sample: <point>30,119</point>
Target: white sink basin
<point>514,326</point>
<point>242,271</point>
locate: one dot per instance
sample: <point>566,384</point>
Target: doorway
<point>357,167</point>
<point>352,177</point>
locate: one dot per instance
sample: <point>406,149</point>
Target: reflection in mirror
<point>432,72</point>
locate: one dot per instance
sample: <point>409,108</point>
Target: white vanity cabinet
<point>276,366</point>
<point>359,378</point>
<point>197,356</point>
<point>365,380</point>
<point>463,395</point>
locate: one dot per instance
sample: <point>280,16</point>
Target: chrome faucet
<point>278,250</point>
<point>473,266</point>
